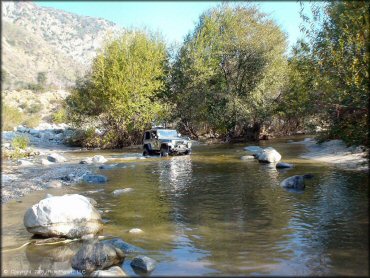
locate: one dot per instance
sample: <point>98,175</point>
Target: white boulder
<point>70,215</point>
<point>54,157</point>
<point>269,155</point>
<point>99,159</point>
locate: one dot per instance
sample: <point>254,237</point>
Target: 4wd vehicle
<point>165,142</point>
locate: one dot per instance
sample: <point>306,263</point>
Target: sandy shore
<point>336,153</point>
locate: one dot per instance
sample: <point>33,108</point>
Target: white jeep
<point>165,142</point>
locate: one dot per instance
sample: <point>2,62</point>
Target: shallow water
<point>212,213</point>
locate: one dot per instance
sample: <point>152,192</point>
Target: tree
<point>339,49</point>
<point>120,95</point>
<point>41,79</point>
<point>228,72</point>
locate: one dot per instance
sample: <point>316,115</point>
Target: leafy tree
<point>228,72</point>
<point>120,95</point>
<point>339,41</point>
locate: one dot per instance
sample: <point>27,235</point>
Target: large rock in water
<point>269,155</point>
<point>114,271</point>
<point>93,256</point>
<point>95,178</point>
<point>99,159</point>
<point>143,263</point>
<point>295,182</point>
<point>54,157</point>
<point>70,215</point>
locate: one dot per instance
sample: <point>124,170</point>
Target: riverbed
<point>212,213</point>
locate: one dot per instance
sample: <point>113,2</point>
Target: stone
<point>45,162</point>
<point>269,155</point>
<point>99,159</point>
<point>295,182</point>
<point>253,149</point>
<point>95,256</point>
<point>114,271</point>
<point>95,178</point>
<point>281,165</point>
<point>92,201</point>
<point>143,263</point>
<point>22,129</point>
<point>54,157</point>
<point>23,162</point>
<point>123,246</point>
<point>70,216</point>
<point>118,192</point>
<point>135,231</point>
<point>108,167</point>
<point>54,184</point>
<point>86,161</point>
<point>247,157</point>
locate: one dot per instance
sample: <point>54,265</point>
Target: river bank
<point>335,152</point>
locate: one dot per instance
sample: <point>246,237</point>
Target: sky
<point>174,19</point>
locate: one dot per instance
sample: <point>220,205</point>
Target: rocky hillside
<point>37,39</point>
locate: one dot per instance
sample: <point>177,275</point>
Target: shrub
<point>32,121</point>
<point>20,142</point>
<point>60,116</point>
<point>11,117</point>
<point>35,108</point>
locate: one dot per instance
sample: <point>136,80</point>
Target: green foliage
<point>338,54</point>
<point>60,116</point>
<point>20,142</point>
<point>11,117</point>
<point>41,79</point>
<point>120,96</point>
<point>229,71</point>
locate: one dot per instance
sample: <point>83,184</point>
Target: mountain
<point>38,39</point>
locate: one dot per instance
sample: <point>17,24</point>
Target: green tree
<point>41,79</point>
<point>228,72</point>
<point>339,41</point>
<point>120,96</point>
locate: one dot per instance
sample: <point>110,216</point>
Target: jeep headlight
<point>189,145</point>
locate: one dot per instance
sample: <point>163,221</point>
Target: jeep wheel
<point>146,151</point>
<point>164,151</point>
<point>188,152</point>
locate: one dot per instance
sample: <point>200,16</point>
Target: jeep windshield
<point>166,133</point>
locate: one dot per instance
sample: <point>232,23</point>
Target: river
<point>212,213</point>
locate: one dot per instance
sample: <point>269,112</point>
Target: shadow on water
<point>212,213</point>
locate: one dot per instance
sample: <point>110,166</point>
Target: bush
<point>20,142</point>
<point>60,116</point>
<point>35,108</point>
<point>11,117</point>
<point>32,121</point>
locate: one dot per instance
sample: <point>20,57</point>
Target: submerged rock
<point>295,182</point>
<point>54,157</point>
<point>269,155</point>
<point>95,178</point>
<point>135,231</point>
<point>143,263</point>
<point>108,167</point>
<point>94,256</point>
<point>118,192</point>
<point>70,216</point>
<point>86,161</point>
<point>114,271</point>
<point>281,165</point>
<point>123,246</point>
<point>247,157</point>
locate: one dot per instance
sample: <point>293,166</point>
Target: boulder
<point>114,271</point>
<point>86,161</point>
<point>247,157</point>
<point>118,192</point>
<point>281,165</point>
<point>45,162</point>
<point>94,256</point>
<point>143,263</point>
<point>135,231</point>
<point>253,149</point>
<point>295,182</point>
<point>269,155</point>
<point>99,159</point>
<point>54,157</point>
<point>70,216</point>
<point>23,162</point>
<point>122,245</point>
<point>54,184</point>
<point>95,178</point>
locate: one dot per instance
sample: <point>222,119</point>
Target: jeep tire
<point>164,151</point>
<point>146,151</point>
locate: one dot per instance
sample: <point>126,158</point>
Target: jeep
<point>165,142</point>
